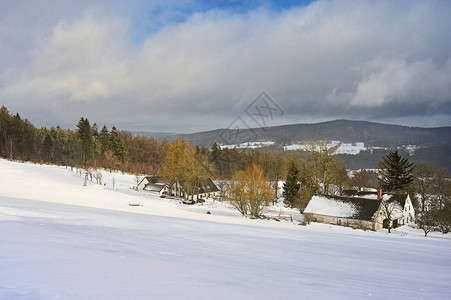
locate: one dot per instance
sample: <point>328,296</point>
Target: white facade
<point>408,213</point>
<point>160,189</point>
<point>400,215</point>
<point>345,211</point>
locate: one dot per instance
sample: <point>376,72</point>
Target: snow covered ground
<point>248,145</point>
<point>62,240</point>
<point>344,148</point>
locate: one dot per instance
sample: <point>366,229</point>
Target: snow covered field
<point>62,240</point>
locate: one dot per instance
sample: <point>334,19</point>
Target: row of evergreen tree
<point>90,147</point>
<point>86,146</point>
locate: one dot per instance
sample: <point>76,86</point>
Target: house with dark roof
<point>365,211</point>
<point>156,184</point>
<point>206,188</point>
<point>346,211</point>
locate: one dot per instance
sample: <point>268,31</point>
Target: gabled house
<point>208,188</point>
<point>346,211</point>
<point>402,210</point>
<point>205,189</point>
<point>154,184</point>
<point>158,185</point>
<point>366,210</point>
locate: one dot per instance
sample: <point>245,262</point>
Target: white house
<point>158,185</point>
<point>205,189</point>
<point>346,211</point>
<point>403,212</point>
<point>362,210</point>
<point>154,184</point>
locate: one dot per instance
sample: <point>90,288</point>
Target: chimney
<point>379,194</point>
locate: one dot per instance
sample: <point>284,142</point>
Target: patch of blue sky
<point>147,21</point>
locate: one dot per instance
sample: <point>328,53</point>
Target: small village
<point>225,150</point>
<point>358,208</point>
<point>367,210</point>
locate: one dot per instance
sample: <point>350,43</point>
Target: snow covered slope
<point>62,240</point>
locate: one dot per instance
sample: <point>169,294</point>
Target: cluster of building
<point>340,147</point>
<point>368,210</point>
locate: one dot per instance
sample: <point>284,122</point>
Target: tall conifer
<point>291,186</point>
<point>395,172</point>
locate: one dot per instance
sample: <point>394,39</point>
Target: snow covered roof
<point>154,187</point>
<point>390,197</point>
<point>361,194</point>
<point>156,183</point>
<point>400,198</point>
<point>343,207</point>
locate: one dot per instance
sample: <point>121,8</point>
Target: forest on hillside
<point>91,146</point>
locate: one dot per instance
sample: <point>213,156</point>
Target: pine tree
<point>395,172</point>
<point>104,139</point>
<point>291,186</point>
<point>215,158</point>
<point>118,145</point>
<point>95,130</point>
<point>84,133</point>
<point>47,147</point>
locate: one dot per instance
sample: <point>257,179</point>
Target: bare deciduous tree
<point>424,175</point>
<point>249,191</point>
<point>390,210</point>
<point>98,176</point>
<point>137,180</point>
<point>321,171</point>
<point>234,194</point>
<point>426,221</point>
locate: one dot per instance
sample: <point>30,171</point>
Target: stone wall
<point>353,223</point>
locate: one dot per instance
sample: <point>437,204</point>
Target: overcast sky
<point>185,66</point>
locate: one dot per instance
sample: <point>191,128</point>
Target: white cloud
<point>384,81</point>
<point>80,61</point>
<point>331,59</point>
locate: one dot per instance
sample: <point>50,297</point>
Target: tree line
<point>251,175</point>
<point>91,146</point>
<point>87,146</point>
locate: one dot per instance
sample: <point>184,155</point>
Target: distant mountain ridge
<point>371,133</point>
<point>155,135</point>
<point>431,144</point>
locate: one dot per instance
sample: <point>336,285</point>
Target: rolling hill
<point>429,144</point>
<point>371,133</point>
